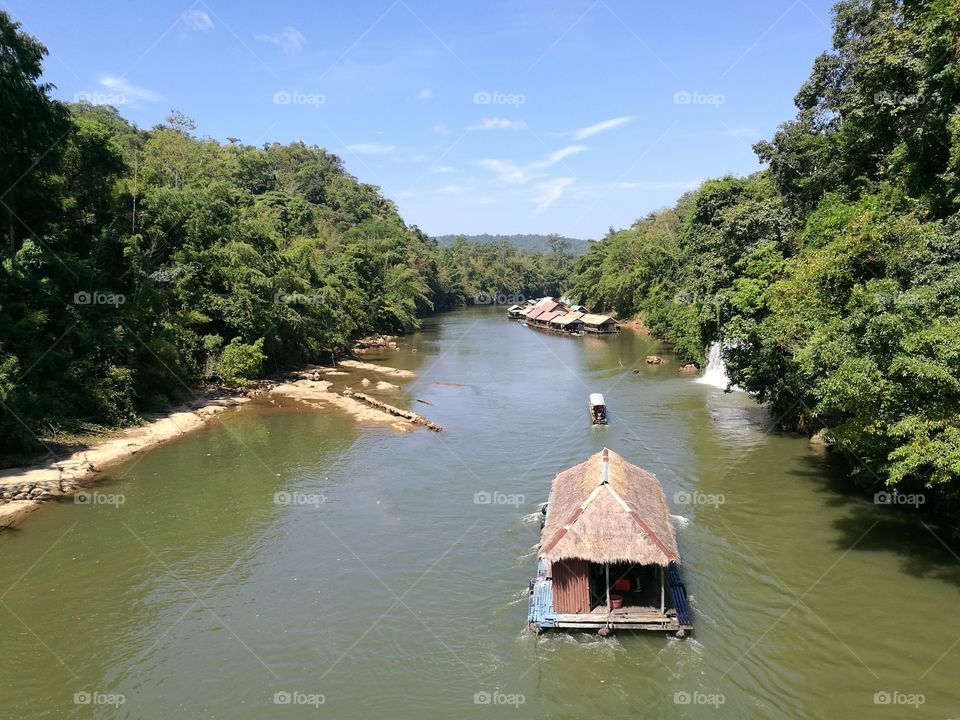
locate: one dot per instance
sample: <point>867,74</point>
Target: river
<point>290,563</point>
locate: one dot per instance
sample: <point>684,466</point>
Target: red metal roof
<point>550,315</point>
<point>535,313</point>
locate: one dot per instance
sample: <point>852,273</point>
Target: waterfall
<point>716,372</point>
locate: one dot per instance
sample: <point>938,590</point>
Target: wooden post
<point>662,606</point>
<point>607,567</point>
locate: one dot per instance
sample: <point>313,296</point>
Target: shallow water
<point>376,584</point>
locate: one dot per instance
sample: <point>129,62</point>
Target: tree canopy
<point>831,277</point>
<point>138,263</point>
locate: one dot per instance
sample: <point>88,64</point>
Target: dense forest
<point>832,277</point>
<point>138,263</point>
<point>543,244</point>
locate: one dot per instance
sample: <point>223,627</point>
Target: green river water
<point>293,563</point>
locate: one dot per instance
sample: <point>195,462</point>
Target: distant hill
<point>530,243</point>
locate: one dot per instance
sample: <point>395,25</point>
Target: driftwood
<point>411,416</point>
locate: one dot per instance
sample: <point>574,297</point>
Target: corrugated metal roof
<point>550,315</point>
<point>544,301</point>
<point>535,313</point>
<point>596,399</point>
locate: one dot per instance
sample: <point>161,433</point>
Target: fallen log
<point>406,414</point>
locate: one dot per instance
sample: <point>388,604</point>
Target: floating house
<point>600,324</point>
<point>608,556</point>
<point>551,314</point>
<point>570,322</point>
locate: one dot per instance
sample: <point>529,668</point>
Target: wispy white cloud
<point>514,174</point>
<point>290,40</point>
<point>558,155</point>
<point>493,123</point>
<point>441,129</point>
<point>599,127</point>
<point>449,190</point>
<point>508,172</point>
<point>197,20</point>
<point>549,191</point>
<point>371,149</point>
<point>443,169</point>
<point>425,94</point>
<point>126,92</point>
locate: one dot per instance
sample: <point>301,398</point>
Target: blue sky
<point>503,116</point>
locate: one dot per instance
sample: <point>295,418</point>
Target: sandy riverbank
<point>24,489</point>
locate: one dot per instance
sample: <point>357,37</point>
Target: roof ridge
<point>574,516</point>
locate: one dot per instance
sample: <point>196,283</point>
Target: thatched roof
<point>590,319</point>
<point>624,519</point>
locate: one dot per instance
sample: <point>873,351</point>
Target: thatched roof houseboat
<point>608,555</point>
<point>599,324</point>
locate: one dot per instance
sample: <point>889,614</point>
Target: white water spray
<point>716,372</point>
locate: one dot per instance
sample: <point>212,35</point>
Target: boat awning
<point>596,399</point>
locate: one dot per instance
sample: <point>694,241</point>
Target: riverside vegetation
<point>832,277</point>
<point>137,263</point>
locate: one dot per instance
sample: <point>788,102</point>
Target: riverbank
<point>23,489</point>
